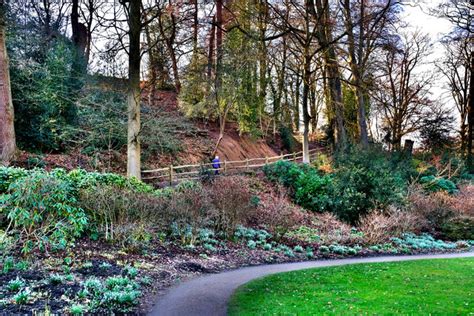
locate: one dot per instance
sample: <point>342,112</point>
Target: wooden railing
<point>173,174</point>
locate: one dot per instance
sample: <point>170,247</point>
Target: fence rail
<point>173,174</point>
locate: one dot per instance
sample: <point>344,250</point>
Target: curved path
<point>208,295</point>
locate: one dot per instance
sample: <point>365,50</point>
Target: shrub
<point>312,190</point>
<point>42,212</point>
<point>122,215</point>
<point>379,227</point>
<point>8,175</point>
<point>365,180</point>
<point>188,211</point>
<point>463,202</point>
<point>362,180</point>
<point>459,228</point>
<point>278,215</point>
<point>232,204</point>
<point>332,231</point>
<point>435,184</point>
<point>283,172</point>
<point>436,208</point>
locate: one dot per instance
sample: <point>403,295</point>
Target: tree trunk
<point>296,107</point>
<point>152,71</point>
<point>7,129</point>
<point>306,116</point>
<point>210,58</point>
<point>470,118</point>
<point>335,89</point>
<point>195,25</point>
<point>133,99</point>
<point>364,137</point>
<point>219,50</point>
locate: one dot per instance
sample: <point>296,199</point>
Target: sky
<point>415,13</point>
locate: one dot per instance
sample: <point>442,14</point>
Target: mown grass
<point>440,286</point>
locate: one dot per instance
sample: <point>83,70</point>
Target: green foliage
<point>434,184</point>
<point>288,140</point>
<point>361,182</point>
<point>421,242</point>
<point>459,228</point>
<point>103,114</point>
<point>21,297</point>
<point>15,285</point>
<point>42,212</point>
<point>77,309</point>
<point>115,294</point>
<point>364,180</point>
<point>9,175</point>
<point>56,279</point>
<point>44,93</point>
<point>284,172</point>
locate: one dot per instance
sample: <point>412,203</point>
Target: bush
<point>365,180</point>
<point>435,208</point>
<point>278,215</point>
<point>44,93</point>
<point>8,175</point>
<point>42,212</point>
<point>232,204</point>
<point>435,184</point>
<point>332,231</point>
<point>188,212</point>
<point>362,180</point>
<point>379,227</point>
<point>459,228</point>
<point>283,172</point>
<point>122,215</point>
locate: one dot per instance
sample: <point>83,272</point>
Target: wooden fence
<point>173,174</point>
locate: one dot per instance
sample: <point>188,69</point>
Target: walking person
<point>216,164</point>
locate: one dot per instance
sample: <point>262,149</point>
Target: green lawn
<point>443,287</point>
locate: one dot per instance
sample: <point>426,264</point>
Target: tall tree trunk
<point>7,129</point>
<point>296,105</point>
<point>219,50</point>
<point>133,99</point>
<point>174,65</point>
<point>195,26</point>
<point>335,89</point>
<point>152,70</point>
<point>210,57</point>
<point>470,118</point>
<point>361,115</point>
<point>306,116</point>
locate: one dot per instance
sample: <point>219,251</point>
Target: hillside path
<point>208,295</point>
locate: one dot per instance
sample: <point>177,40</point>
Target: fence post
<point>266,160</point>
<point>225,166</point>
<point>281,156</point>
<point>247,164</point>
<point>294,157</point>
<point>171,174</point>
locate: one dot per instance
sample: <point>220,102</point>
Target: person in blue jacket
<point>216,164</point>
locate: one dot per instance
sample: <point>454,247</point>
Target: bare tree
<point>365,22</point>
<point>455,67</point>
<point>460,14</point>
<point>402,90</point>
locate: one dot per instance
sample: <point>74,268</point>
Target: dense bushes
<point>449,215</point>
<point>45,210</point>
<point>353,189</point>
<point>42,212</point>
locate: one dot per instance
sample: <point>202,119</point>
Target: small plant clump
<point>15,285</point>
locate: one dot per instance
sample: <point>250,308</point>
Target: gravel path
<point>208,295</point>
